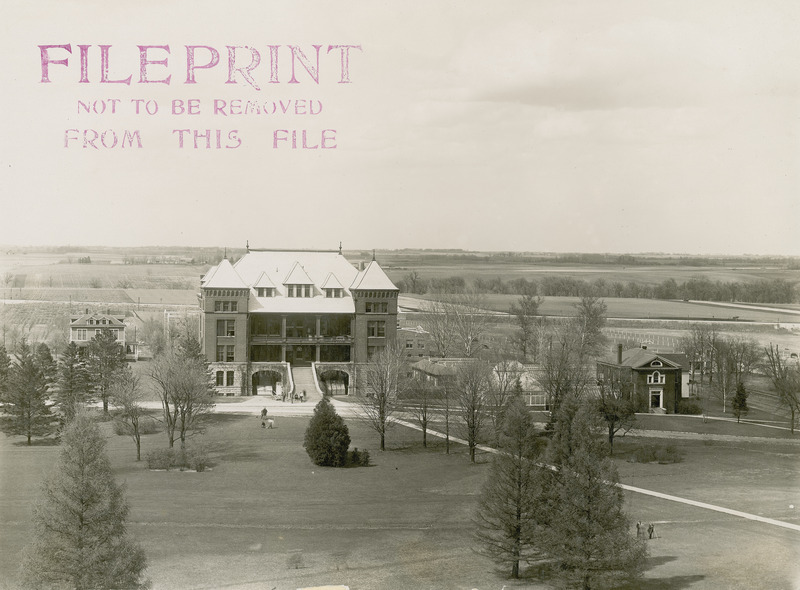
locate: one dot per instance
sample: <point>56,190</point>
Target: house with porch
<point>655,381</point>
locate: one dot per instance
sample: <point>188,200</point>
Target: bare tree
<point>422,402</point>
<point>615,405</point>
<point>699,345</point>
<point>385,380</point>
<point>562,370</point>
<point>471,320</point>
<point>473,381</point>
<point>526,312</point>
<point>786,381</point>
<point>456,322</point>
<point>126,394</point>
<point>733,360</point>
<point>439,322</point>
<point>589,322</point>
<point>184,388</point>
<point>505,383</point>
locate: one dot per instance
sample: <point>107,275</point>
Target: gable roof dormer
<point>297,276</point>
<point>264,282</point>
<point>331,282</point>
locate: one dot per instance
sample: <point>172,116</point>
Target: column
<point>318,334</point>
<point>318,346</point>
<point>283,327</point>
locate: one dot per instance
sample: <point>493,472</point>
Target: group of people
<point>640,530</point>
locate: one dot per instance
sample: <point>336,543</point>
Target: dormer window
<point>265,291</point>
<point>656,364</point>
<point>334,293</point>
<point>298,291</point>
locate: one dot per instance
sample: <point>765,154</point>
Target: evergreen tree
<point>506,517</point>
<point>105,357</point>
<point>80,539</point>
<point>584,528</point>
<point>327,436</point>
<point>25,398</point>
<point>5,367</point>
<point>740,402</point>
<point>72,384</point>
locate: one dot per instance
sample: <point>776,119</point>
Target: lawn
<point>405,522</point>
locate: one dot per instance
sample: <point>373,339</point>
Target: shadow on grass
<point>38,442</point>
<point>669,583</point>
<point>547,572</point>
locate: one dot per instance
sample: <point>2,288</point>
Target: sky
<point>547,126</point>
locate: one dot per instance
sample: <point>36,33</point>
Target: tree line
<point>695,288</point>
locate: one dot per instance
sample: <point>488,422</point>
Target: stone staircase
<point>304,380</point>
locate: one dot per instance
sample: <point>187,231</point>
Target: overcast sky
<point>615,126</point>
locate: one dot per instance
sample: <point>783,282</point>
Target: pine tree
<point>506,517</point>
<point>327,436</point>
<point>105,357</point>
<point>25,398</point>
<point>72,384</point>
<point>80,539</point>
<point>740,402</point>
<point>585,529</point>
<point>5,367</point>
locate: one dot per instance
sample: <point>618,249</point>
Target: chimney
<point>619,354</point>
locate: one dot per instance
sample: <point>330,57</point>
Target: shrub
<point>656,453</point>
<point>146,426</point>
<point>355,457</point>
<point>364,459</point>
<point>197,458</point>
<point>160,459</point>
<point>689,407</point>
<point>327,436</point>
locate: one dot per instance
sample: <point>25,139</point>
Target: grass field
<point>406,521</point>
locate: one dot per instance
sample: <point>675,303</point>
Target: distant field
<point>637,308</point>
<point>649,275</point>
<point>108,276</point>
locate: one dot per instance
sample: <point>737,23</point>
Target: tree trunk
<point>383,437</point>
<point>425,437</point>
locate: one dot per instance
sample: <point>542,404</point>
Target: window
<point>225,306</point>
<point>265,291</point>
<point>80,334</point>
<point>376,329</point>
<point>225,353</point>
<point>226,328</point>
<point>373,350</point>
<point>229,378</point>
<point>409,344</point>
<point>656,364</point>
<point>220,377</point>
<point>656,378</point>
<point>377,307</point>
<point>334,293</point>
<point>307,291</point>
<point>420,344</point>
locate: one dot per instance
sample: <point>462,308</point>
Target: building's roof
<point>321,268</point>
<point>637,358</point>
<point>225,277</point>
<point>82,321</point>
<point>373,278</point>
<point>264,282</point>
<point>434,368</point>
<point>331,282</point>
<point>679,358</point>
<point>297,276</point>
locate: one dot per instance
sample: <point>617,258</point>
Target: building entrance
<point>301,356</point>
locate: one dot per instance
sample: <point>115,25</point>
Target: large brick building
<point>273,312</point>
